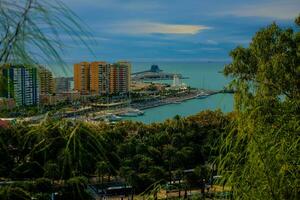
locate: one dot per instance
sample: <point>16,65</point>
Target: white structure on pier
<point>176,81</point>
<point>177,84</point>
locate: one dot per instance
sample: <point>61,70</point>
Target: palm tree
<point>102,169</point>
<point>169,154</point>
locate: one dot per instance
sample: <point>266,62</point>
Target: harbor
<point>118,111</point>
<point>135,110</point>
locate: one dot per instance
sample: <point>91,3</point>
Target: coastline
<point>94,114</point>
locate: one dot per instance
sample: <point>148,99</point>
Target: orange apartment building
<point>82,77</point>
<point>100,78</point>
<point>120,77</point>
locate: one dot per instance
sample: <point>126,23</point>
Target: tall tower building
<point>120,77</point>
<point>46,81</point>
<point>99,78</point>
<point>21,83</point>
<point>82,77</point>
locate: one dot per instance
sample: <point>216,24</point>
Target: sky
<point>173,30</point>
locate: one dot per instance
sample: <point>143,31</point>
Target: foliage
<point>14,193</point>
<point>141,154</point>
<point>76,189</point>
<point>261,154</point>
<point>43,185</point>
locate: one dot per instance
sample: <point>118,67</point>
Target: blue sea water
<point>201,75</point>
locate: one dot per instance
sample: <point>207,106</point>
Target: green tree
<point>261,153</point>
<point>102,169</point>
<point>169,155</point>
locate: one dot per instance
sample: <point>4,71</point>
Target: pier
<point>199,93</point>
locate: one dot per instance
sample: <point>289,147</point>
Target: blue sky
<point>174,30</point>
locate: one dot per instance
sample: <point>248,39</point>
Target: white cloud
<point>140,27</point>
<point>282,9</point>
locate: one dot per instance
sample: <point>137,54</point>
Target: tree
<point>261,153</point>
<point>102,169</point>
<point>169,155</point>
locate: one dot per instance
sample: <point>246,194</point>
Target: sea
<point>206,75</point>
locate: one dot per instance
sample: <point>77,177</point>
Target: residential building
<point>46,81</point>
<point>62,84</point>
<point>21,84</point>
<point>62,97</point>
<point>120,77</point>
<point>99,78</point>
<point>82,77</point>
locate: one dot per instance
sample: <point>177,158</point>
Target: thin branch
<point>5,54</point>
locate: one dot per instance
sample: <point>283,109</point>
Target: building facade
<point>21,84</point>
<point>99,78</point>
<point>82,77</point>
<point>63,97</point>
<point>46,81</point>
<point>120,77</point>
<point>62,84</point>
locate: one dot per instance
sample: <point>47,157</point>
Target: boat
<point>203,95</point>
<point>132,113</point>
<point>155,73</point>
<point>112,118</point>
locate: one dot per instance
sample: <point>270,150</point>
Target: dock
<point>199,93</point>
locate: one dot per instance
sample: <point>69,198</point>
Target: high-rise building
<point>62,84</point>
<point>120,77</point>
<point>20,83</point>
<point>99,78</point>
<point>82,77</point>
<point>46,81</point>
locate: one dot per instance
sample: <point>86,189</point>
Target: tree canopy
<point>260,156</point>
